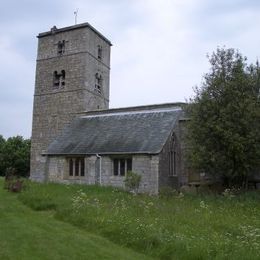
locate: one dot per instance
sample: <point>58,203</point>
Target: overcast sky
<point>158,54</point>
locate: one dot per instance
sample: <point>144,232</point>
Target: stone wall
<point>170,177</point>
<point>145,165</point>
<point>148,167</point>
<point>56,169</point>
<point>180,146</point>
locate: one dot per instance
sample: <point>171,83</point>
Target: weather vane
<point>76,15</point>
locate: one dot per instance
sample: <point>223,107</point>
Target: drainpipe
<point>100,163</point>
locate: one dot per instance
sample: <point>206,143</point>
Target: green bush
<point>13,182</point>
<point>132,181</point>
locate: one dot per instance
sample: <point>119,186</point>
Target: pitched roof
<point>118,131</point>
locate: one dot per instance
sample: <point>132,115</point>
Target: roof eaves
<point>101,153</point>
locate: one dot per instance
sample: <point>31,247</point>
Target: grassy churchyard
<point>28,234</point>
<point>54,221</point>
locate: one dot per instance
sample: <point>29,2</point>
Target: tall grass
<point>28,234</point>
<point>179,227</point>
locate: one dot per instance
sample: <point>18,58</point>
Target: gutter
<point>103,153</point>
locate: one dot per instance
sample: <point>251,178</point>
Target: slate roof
<point>118,131</point>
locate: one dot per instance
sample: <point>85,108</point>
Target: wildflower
<point>181,195</point>
<point>203,205</point>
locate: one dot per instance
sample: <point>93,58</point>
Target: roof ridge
<point>123,113</point>
<point>140,109</point>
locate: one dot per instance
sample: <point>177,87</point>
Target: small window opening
<point>116,167</point>
<point>63,77</point>
<point>122,166</point>
<point>56,79</point>
<point>61,47</point>
<point>82,167</point>
<point>99,52</point>
<point>98,83</point>
<point>129,165</point>
<point>76,167</point>
<point>59,78</point>
<point>71,167</point>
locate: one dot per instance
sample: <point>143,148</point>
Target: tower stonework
<point>72,76</point>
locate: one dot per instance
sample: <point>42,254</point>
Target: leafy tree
<point>15,153</point>
<point>2,142</point>
<point>224,127</point>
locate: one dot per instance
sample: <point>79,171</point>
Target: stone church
<point>76,138</point>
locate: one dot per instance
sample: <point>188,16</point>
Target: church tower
<point>72,76</point>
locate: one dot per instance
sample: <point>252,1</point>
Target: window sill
<point>74,177</point>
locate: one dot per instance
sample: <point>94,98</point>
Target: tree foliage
<point>223,132</point>
<point>15,153</point>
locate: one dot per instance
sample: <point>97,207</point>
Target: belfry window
<point>99,52</point>
<point>76,167</point>
<point>98,83</point>
<point>62,78</point>
<point>56,79</point>
<point>61,47</point>
<point>122,166</point>
<point>59,78</point>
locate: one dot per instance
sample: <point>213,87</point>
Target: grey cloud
<point>158,54</point>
